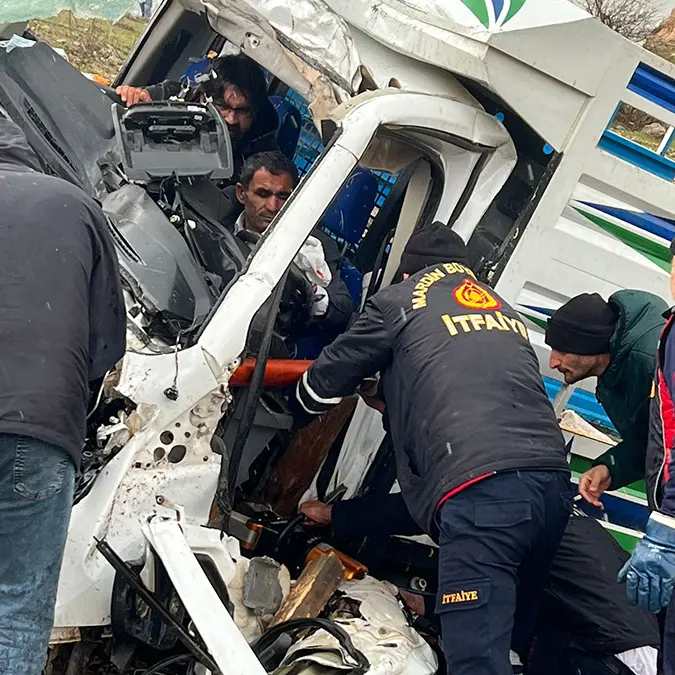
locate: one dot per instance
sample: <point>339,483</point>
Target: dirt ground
<point>92,45</point>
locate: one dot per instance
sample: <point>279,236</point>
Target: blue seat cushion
<point>348,215</point>
<point>290,122</point>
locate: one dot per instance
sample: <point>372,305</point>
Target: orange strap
<point>278,372</point>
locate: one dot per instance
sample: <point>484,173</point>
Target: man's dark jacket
<point>261,137</point>
<point>461,382</point>
<point>624,389</point>
<point>62,318</point>
<point>660,465</point>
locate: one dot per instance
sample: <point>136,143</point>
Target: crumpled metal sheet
<point>316,31</point>
<point>379,630</point>
<point>14,11</point>
<point>573,423</point>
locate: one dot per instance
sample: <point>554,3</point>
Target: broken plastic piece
<point>262,590</point>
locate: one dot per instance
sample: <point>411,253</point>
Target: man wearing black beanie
<point>615,341</point>
<point>480,457</point>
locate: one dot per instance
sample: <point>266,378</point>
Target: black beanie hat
<point>432,245</point>
<point>583,325</point>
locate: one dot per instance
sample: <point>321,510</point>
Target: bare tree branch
<point>634,19</point>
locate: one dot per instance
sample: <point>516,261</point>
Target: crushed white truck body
<point>465,97</point>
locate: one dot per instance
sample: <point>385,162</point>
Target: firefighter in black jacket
<point>480,457</point>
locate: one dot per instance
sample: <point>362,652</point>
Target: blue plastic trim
<point>653,85</point>
<point>637,155</point>
<point>541,310</point>
<point>619,511</point>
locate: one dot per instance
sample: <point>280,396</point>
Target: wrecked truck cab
<point>448,151</point>
<point>413,93</point>
<point>164,423</point>
<point>182,396</point>
<point>172,453</point>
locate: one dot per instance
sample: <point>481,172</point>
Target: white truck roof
<point>512,47</point>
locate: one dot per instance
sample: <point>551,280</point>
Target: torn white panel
<point>23,10</point>
<point>250,31</point>
<point>491,179</point>
<point>310,27</point>
<point>391,68</point>
<point>641,661</point>
<point>534,46</point>
<point>220,634</point>
<point>363,438</point>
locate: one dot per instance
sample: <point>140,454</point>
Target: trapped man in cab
<point>265,183</point>
<point>615,341</point>
<point>480,457</point>
<point>237,87</point>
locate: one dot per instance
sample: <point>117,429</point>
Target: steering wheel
<point>297,298</point>
<point>111,94</point>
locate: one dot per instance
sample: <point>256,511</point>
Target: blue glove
<point>650,572</point>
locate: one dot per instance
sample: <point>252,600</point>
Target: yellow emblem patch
<point>471,295</point>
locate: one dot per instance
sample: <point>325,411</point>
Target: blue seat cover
<point>290,122</point>
<point>348,215</point>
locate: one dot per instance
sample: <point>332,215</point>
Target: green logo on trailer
<point>494,13</point>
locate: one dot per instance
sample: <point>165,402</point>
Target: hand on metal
<point>316,513</point>
<point>133,95</point>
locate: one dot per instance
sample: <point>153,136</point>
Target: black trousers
<point>666,619</point>
<point>554,654</point>
<point>497,542</point>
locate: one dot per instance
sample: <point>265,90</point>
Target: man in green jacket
<point>615,341</point>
